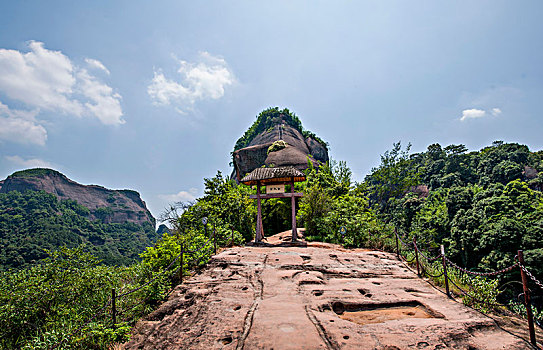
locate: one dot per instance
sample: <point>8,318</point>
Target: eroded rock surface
<point>298,153</point>
<point>313,298</point>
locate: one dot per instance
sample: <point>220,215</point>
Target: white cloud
<point>96,64</point>
<point>21,126</point>
<point>29,163</point>
<point>48,80</point>
<point>478,113</point>
<point>104,103</point>
<point>496,111</point>
<point>472,114</point>
<point>203,80</point>
<point>182,196</point>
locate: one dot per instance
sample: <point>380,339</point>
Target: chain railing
<point>206,248</point>
<point>532,277</point>
<point>484,274</point>
<point>446,262</point>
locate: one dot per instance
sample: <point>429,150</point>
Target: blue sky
<point>152,96</point>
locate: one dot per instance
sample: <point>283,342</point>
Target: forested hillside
<point>483,205</point>
<point>35,221</point>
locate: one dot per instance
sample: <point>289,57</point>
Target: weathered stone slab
<point>314,298</point>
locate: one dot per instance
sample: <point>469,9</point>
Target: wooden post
<point>416,254</point>
<point>215,238</point>
<point>258,237</point>
<point>232,242</point>
<point>397,243</point>
<point>181,264</point>
<point>445,271</point>
<point>293,206</point>
<point>113,308</point>
<point>527,302</point>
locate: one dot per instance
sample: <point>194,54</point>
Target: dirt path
<point>313,298</point>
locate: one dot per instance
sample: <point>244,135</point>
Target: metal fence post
<point>397,243</point>
<point>445,271</point>
<point>416,254</point>
<point>182,262</point>
<point>215,238</point>
<point>113,308</point>
<point>527,302</point>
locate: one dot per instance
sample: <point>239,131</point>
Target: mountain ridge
<point>107,205</point>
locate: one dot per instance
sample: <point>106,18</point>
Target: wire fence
<point>441,271</point>
<point>206,250</point>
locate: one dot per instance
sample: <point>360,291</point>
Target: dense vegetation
<point>63,299</point>
<point>33,221</point>
<point>331,201</point>
<point>482,205</point>
<point>268,119</point>
<point>34,172</point>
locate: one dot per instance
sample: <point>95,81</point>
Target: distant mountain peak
<point>36,172</point>
<point>110,206</point>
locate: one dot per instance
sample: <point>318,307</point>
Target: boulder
<point>298,153</point>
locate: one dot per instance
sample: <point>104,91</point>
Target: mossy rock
<point>277,145</point>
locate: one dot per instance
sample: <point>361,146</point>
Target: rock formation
<point>278,125</point>
<point>315,297</point>
<point>110,206</point>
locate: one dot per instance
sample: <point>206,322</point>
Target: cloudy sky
<point>152,95</point>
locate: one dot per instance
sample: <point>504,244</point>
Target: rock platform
<point>314,297</point>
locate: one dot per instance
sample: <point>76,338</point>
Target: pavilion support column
<point>259,232</point>
<point>293,205</point>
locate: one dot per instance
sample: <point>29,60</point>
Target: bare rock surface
<point>317,296</point>
<point>299,151</point>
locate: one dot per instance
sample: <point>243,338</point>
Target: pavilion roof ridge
<point>273,175</point>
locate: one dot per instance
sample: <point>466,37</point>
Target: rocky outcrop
<point>530,173</point>
<point>110,206</point>
<point>315,297</point>
<point>298,153</point>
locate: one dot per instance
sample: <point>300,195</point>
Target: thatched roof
<point>273,175</point>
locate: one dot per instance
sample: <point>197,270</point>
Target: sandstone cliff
<point>110,206</point>
<point>271,126</point>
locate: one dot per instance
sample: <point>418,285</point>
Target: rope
<point>122,312</point>
<point>203,245</point>
<point>425,271</point>
<point>433,276</point>
<point>424,256</point>
<point>487,274</point>
<point>152,279</point>
<point>403,243</point>
<point>191,252</point>
<point>407,261</point>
